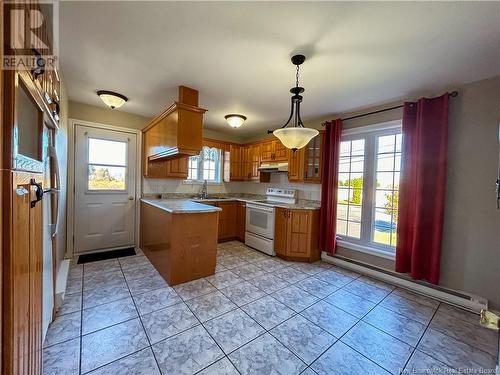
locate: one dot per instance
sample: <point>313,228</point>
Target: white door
<point>105,185</point>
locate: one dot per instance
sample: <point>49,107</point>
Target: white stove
<point>260,218</point>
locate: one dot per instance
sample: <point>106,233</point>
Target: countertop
<point>180,205</point>
<point>183,203</point>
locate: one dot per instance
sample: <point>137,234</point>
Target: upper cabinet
<point>177,132</point>
<point>273,151</point>
<point>314,158</point>
<point>304,165</point>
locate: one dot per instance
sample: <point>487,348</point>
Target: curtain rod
<point>451,94</point>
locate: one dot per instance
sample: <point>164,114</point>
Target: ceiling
<point>237,54</point>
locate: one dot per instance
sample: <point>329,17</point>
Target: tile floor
<point>256,315</point>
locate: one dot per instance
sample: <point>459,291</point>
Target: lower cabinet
<point>296,234</point>
<point>227,220</point>
<point>22,275</point>
<point>241,217</point>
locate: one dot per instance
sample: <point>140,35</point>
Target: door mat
<point>112,254</point>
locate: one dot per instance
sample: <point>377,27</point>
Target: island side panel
<point>194,245</point>
<point>181,246</point>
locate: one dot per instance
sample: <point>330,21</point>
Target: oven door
<point>260,220</point>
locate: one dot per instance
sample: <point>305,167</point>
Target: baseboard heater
<point>460,299</point>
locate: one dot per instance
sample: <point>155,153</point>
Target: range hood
<point>273,167</point>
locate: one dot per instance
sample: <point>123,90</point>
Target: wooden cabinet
<point>254,156</point>
<point>280,232</point>
<point>177,168</point>
<point>227,220</point>
<point>296,166</point>
<point>176,132</point>
<point>236,172</point>
<point>245,162</point>
<point>22,279</point>
<point>313,158</point>
<point>280,151</point>
<point>296,234</point>
<point>181,246</point>
<point>241,217</point>
<point>273,151</point>
<point>304,165</point>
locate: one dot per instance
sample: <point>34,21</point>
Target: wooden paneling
<point>296,234</point>
<point>280,231</point>
<point>299,233</point>
<point>227,220</point>
<point>22,282</point>
<point>177,131</point>
<point>266,151</point>
<point>182,247</point>
<point>241,215</point>
<point>296,168</point>
<point>254,156</point>
<point>236,172</point>
<point>280,151</point>
<point>176,168</point>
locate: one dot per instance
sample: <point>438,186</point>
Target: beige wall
<point>103,115</point>
<point>470,258</point>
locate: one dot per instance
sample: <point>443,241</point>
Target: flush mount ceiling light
<point>112,99</point>
<point>234,120</point>
<point>296,135</point>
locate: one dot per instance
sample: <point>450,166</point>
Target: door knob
<point>130,198</point>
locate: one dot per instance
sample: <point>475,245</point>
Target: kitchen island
<point>179,237</point>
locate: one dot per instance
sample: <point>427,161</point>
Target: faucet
<point>204,190</point>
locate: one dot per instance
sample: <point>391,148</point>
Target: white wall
<point>157,186</point>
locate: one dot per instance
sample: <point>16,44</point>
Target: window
<point>107,165</point>
<point>369,172</point>
<point>205,166</point>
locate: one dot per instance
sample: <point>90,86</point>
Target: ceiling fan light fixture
<point>112,99</point>
<point>234,120</point>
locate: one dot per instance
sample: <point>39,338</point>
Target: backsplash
<point>305,191</point>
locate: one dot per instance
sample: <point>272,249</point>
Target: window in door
<point>369,172</point>
<point>107,165</point>
<point>206,166</point>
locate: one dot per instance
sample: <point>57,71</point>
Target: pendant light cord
<point>297,77</point>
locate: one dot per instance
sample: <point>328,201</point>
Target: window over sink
<point>205,166</point>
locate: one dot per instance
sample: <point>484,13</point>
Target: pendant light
<point>234,120</point>
<point>112,99</point>
<point>295,136</point>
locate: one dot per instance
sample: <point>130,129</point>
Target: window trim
<point>369,133</point>
<point>218,169</point>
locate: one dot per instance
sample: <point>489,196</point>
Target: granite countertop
<point>180,205</point>
<point>248,198</point>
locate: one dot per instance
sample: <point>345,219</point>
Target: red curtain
<point>422,188</point>
<point>329,186</point>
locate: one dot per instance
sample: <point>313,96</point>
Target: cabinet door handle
<point>38,192</point>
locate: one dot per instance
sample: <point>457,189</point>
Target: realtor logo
<point>31,35</point>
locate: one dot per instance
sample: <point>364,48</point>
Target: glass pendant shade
<point>295,137</point>
<point>112,99</point>
<point>234,120</point>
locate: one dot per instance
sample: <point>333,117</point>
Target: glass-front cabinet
<point>313,157</point>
